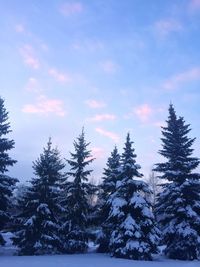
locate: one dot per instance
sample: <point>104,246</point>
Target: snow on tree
<point>75,198</point>
<point>107,188</point>
<point>37,224</point>
<point>7,184</point>
<point>178,208</point>
<point>134,234</point>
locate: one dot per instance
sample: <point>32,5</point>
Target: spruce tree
<point>107,188</point>
<point>7,184</point>
<point>111,174</point>
<point>37,229</point>
<point>75,201</point>
<point>178,207</point>
<point>134,234</point>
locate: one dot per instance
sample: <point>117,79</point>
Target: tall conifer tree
<point>38,220</point>
<point>134,234</point>
<point>7,184</point>
<point>75,202</point>
<point>178,208</point>
<point>107,188</point>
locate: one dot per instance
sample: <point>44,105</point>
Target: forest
<point>61,212</point>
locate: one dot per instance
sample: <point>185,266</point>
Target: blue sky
<point>112,66</point>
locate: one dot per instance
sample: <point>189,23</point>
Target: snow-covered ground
<point>86,260</point>
<point>90,259</point>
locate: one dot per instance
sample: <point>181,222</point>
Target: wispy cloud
<point>29,56</point>
<point>19,28</point>
<point>45,106</point>
<point>194,5</point>
<point>111,135</point>
<point>88,45</point>
<point>33,85</point>
<point>109,66</point>
<point>175,81</point>
<point>159,124</point>
<point>166,26</point>
<point>143,112</point>
<point>68,9</point>
<point>98,152</point>
<point>102,117</point>
<point>92,103</point>
<point>59,76</point>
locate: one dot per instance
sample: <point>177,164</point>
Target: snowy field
<point>90,259</point>
<point>86,260</point>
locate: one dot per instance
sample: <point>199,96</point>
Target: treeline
<point>59,212</point>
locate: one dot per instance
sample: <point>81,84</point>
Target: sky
<point>110,66</point>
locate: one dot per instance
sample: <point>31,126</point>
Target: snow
<point>117,204</point>
<point>89,259</point>
<point>43,208</point>
<point>137,200</point>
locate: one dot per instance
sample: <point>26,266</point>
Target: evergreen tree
<point>75,198</point>
<point>7,184</point>
<point>178,208</point>
<point>111,174</point>
<point>38,221</point>
<point>134,234</point>
<point>107,188</point>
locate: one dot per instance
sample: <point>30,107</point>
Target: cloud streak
<point>109,67</point>
<point>194,5</point>
<point>33,85</point>
<point>143,112</point>
<point>19,28</point>
<point>29,56</point>
<point>175,81</point>
<point>95,104</point>
<point>98,152</point>
<point>165,27</point>
<point>45,106</point>
<point>111,135</point>
<point>69,9</point>
<point>102,117</point>
<point>59,76</point>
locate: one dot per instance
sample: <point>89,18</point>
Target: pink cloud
<point>68,9</point>
<point>29,56</point>
<point>102,117</point>
<point>143,112</point>
<point>19,28</point>
<point>88,45</point>
<point>111,135</point>
<point>195,4</point>
<point>159,124</point>
<point>45,106</point>
<point>166,26</point>
<point>92,103</point>
<point>98,152</point>
<point>109,66</point>
<point>175,81</point>
<point>59,76</point>
<point>33,85</point>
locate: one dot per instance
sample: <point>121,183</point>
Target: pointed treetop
<point>130,168</point>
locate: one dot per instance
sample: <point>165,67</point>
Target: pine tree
<point>134,234</point>
<point>75,198</point>
<point>107,188</point>
<point>38,221</point>
<point>178,208</point>
<point>111,174</point>
<point>7,184</point>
